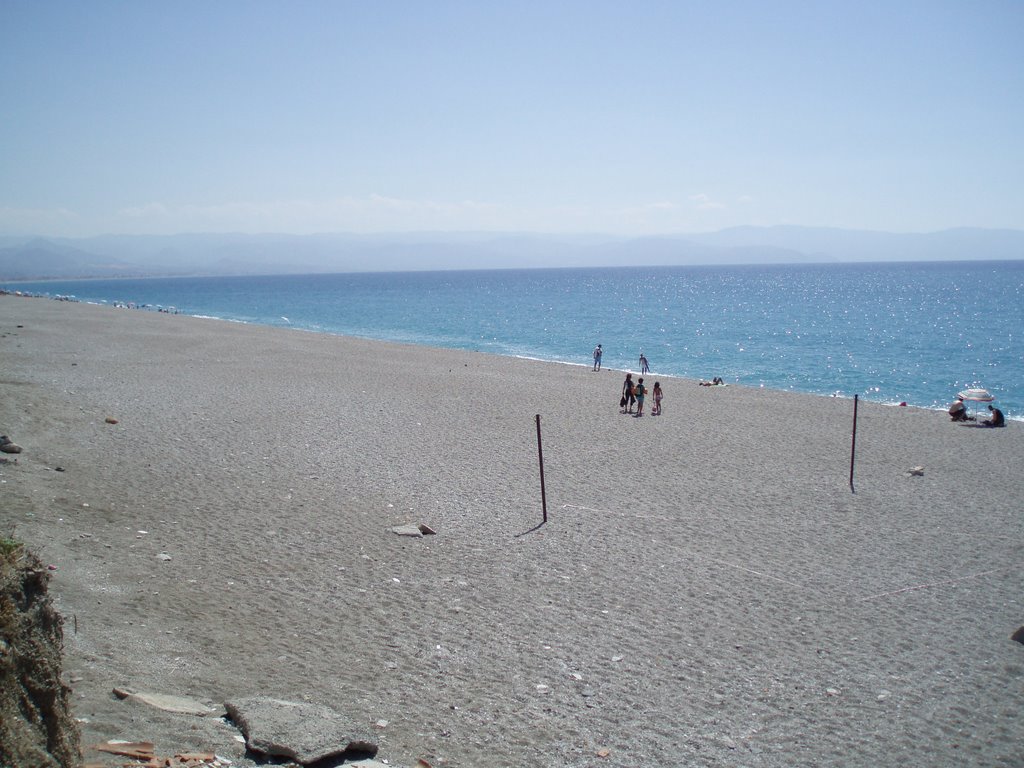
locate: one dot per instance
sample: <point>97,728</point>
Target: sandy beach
<point>707,590</point>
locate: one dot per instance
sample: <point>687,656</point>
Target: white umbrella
<point>976,395</point>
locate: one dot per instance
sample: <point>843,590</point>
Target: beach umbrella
<point>976,395</point>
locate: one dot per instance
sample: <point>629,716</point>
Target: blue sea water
<point>890,332</point>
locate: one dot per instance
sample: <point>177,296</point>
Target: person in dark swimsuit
<point>628,397</point>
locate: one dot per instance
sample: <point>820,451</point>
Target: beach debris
<point>8,446</point>
<point>415,530</point>
<point>200,758</point>
<point>1018,636</point>
<point>140,750</point>
<point>916,471</point>
<point>163,556</point>
<point>110,420</point>
<point>146,751</point>
<point>180,705</point>
<point>303,732</point>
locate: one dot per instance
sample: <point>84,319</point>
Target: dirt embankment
<point>36,726</point>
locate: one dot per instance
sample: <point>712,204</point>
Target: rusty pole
<point>853,442</point>
<point>540,459</point>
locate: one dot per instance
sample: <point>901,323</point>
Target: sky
<point>581,116</point>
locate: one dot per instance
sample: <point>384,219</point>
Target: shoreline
<point>623,371</point>
<point>707,589</point>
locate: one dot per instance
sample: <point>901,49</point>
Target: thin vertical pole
<point>853,442</point>
<point>540,458</point>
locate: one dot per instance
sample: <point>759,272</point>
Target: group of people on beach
<point>645,367</point>
<point>636,393</point>
<point>958,412</point>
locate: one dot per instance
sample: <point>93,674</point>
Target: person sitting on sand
<point>996,419</point>
<point>958,411</point>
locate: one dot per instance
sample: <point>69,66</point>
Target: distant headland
<point>36,258</point>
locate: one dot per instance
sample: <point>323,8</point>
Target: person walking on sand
<point>628,394</point>
<point>644,368</point>
<point>656,410</point>
<point>641,391</point>
<point>597,357</point>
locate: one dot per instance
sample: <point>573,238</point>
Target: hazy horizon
<point>661,118</point>
<point>236,254</point>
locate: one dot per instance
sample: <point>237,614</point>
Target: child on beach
<point>656,410</point>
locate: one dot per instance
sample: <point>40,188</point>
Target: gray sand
<point>707,591</point>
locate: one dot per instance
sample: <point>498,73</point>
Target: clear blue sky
<point>578,116</point>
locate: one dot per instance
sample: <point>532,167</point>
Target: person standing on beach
<point>656,410</point>
<point>640,392</point>
<point>597,357</point>
<point>644,368</point>
<point>628,395</point>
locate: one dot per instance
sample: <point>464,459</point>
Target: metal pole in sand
<point>540,458</point>
<point>853,442</point>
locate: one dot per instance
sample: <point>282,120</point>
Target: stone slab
<point>303,732</point>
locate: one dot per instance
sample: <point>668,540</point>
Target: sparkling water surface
<point>890,332</point>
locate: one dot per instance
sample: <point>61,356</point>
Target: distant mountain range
<point>236,254</point>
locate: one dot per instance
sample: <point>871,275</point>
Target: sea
<point>894,333</point>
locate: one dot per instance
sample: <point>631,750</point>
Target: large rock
<point>305,733</point>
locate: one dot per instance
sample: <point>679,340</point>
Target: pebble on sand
<point>8,446</point>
